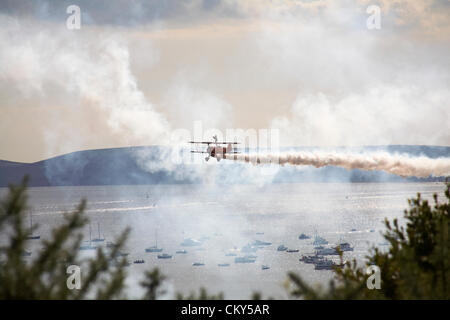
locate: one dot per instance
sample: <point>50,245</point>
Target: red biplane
<point>216,149</point>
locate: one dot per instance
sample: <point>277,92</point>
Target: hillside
<point>119,166</point>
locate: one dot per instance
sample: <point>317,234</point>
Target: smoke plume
<point>400,165</point>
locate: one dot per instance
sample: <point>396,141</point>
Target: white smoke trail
<point>400,165</point>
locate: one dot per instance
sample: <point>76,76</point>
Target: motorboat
<point>245,259</point>
<point>258,243</point>
<point>190,243</point>
<point>311,259</point>
<point>139,261</point>
<point>153,249</point>
<point>327,252</point>
<point>223,264</point>
<point>249,248</point>
<point>345,246</point>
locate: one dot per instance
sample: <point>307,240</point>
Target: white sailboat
<point>32,236</point>
<point>155,247</point>
<point>99,239</point>
<point>90,246</point>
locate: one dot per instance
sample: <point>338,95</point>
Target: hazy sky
<point>137,70</point>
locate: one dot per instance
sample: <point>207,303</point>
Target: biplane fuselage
<point>216,152</point>
<point>213,149</point>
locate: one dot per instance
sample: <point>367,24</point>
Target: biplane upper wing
<point>211,142</point>
<point>203,142</point>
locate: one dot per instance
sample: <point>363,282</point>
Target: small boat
<point>110,245</point>
<point>99,239</point>
<point>319,241</point>
<point>32,236</point>
<point>164,256</point>
<point>231,254</point>
<point>155,247</point>
<point>282,248</point>
<point>263,267</point>
<point>190,243</point>
<point>325,265</point>
<point>198,264</point>
<point>304,236</point>
<point>345,246</point>
<point>327,252</point>
<point>25,253</point>
<point>245,259</point>
<point>292,250</point>
<point>138,261</point>
<point>223,264</point>
<point>89,246</point>
<point>258,243</point>
<point>249,248</point>
<point>181,251</point>
<point>122,254</point>
<point>310,259</point>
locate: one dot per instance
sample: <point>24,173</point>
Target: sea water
<point>224,219</point>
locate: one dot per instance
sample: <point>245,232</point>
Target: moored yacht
<point>32,236</point>
<point>345,246</point>
<point>258,243</point>
<point>327,252</point>
<point>245,259</point>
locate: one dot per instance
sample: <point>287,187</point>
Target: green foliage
<point>415,267</point>
<point>44,277</point>
<point>152,283</point>
<point>202,295</point>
